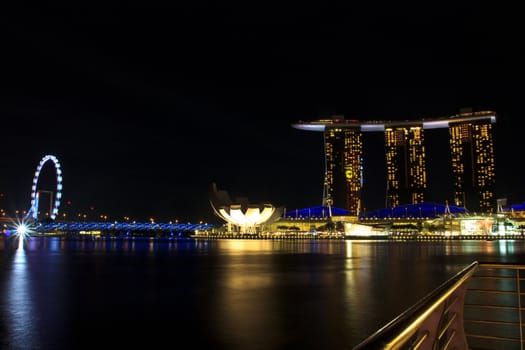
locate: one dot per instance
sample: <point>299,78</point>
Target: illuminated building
<point>343,168</point>
<point>473,168</point>
<point>240,215</point>
<point>471,147</point>
<point>406,165</point>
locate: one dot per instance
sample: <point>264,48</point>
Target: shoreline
<point>286,237</point>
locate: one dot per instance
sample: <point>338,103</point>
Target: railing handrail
<point>437,317</point>
<point>502,266</point>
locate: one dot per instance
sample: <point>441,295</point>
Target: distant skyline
<point>92,201</point>
<point>146,105</point>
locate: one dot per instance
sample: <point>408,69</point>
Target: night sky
<point>145,105</point>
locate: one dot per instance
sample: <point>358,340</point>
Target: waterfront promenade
<point>399,230</point>
<point>395,236</point>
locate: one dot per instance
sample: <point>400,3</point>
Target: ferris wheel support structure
<point>33,211</point>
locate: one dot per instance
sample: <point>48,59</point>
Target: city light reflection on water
<point>500,248</point>
<point>505,247</point>
<point>228,294</point>
<point>20,315</point>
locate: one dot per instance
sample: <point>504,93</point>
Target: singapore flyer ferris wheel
<point>35,194</point>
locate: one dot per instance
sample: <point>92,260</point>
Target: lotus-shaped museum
<point>240,215</point>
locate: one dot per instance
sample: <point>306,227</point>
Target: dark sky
<point>145,105</point>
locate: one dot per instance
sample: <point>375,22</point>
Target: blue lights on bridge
<point>118,226</point>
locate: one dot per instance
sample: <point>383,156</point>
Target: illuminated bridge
<point>120,227</point>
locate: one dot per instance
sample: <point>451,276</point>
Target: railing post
<point>520,318</point>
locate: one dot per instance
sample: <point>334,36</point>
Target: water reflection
<point>236,319</point>
<point>271,294</point>
<point>505,247</point>
<point>19,309</point>
<point>234,294</point>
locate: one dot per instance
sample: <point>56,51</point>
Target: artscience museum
<point>240,215</point>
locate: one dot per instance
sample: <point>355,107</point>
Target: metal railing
<point>493,311</point>
<point>435,322</point>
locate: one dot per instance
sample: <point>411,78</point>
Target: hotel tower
<point>406,174</point>
<point>471,150</point>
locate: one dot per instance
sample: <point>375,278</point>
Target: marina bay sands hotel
<point>471,150</point>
